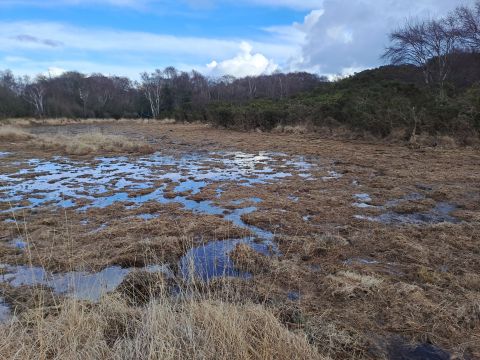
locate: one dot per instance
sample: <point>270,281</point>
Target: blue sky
<point>216,37</point>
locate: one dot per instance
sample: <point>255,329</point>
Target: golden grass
<point>82,144</point>
<point>92,143</point>
<point>164,329</point>
<point>350,284</point>
<point>12,133</point>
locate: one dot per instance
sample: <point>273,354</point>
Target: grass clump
<point>81,144</point>
<point>12,133</point>
<point>166,328</point>
<point>349,284</point>
<point>92,143</point>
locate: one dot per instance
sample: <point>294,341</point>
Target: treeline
<point>161,94</point>
<point>432,86</point>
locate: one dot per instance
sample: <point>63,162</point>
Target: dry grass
<point>424,287</point>
<point>89,121</point>
<point>92,143</point>
<point>125,243</point>
<point>164,329</point>
<point>349,284</point>
<point>12,133</point>
<point>82,144</point>
<point>288,129</point>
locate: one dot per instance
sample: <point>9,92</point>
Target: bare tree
<point>84,93</point>
<point>442,40</point>
<point>468,22</point>
<point>102,89</point>
<point>152,89</point>
<point>34,93</point>
<point>252,87</point>
<point>427,44</point>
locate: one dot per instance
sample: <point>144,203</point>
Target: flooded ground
<point>61,182</point>
<point>79,285</point>
<point>319,225</point>
<point>105,181</point>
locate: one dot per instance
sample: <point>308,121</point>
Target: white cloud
<point>343,36</point>
<point>244,64</point>
<point>54,71</point>
<point>128,53</point>
<point>15,36</point>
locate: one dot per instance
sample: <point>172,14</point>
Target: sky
<point>215,37</point>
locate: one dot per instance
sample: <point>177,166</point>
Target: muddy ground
<point>362,246</point>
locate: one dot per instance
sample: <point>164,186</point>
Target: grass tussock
<point>164,329</point>
<point>81,144</point>
<point>92,143</point>
<point>12,133</point>
<point>349,284</point>
<point>290,129</point>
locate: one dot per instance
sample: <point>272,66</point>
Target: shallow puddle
<point>62,182</point>
<point>5,312</point>
<point>77,284</point>
<point>332,175</point>
<point>399,350</point>
<point>212,260</point>
<point>254,200</point>
<point>19,244</point>
<point>293,296</point>
<point>440,213</point>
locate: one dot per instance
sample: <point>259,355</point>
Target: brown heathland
<point>357,283</point>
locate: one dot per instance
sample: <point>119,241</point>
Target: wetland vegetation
<point>341,248</point>
<point>341,222</point>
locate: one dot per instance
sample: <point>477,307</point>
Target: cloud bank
<point>335,37</point>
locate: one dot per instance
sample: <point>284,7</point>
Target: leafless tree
<point>84,93</point>
<point>442,38</point>
<point>467,20</point>
<point>429,45</point>
<point>10,82</point>
<point>34,94</point>
<point>252,87</point>
<point>152,89</point>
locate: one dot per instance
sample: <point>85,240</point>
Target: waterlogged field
<point>352,250</point>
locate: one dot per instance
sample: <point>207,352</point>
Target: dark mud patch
<point>413,209</point>
<point>399,350</point>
